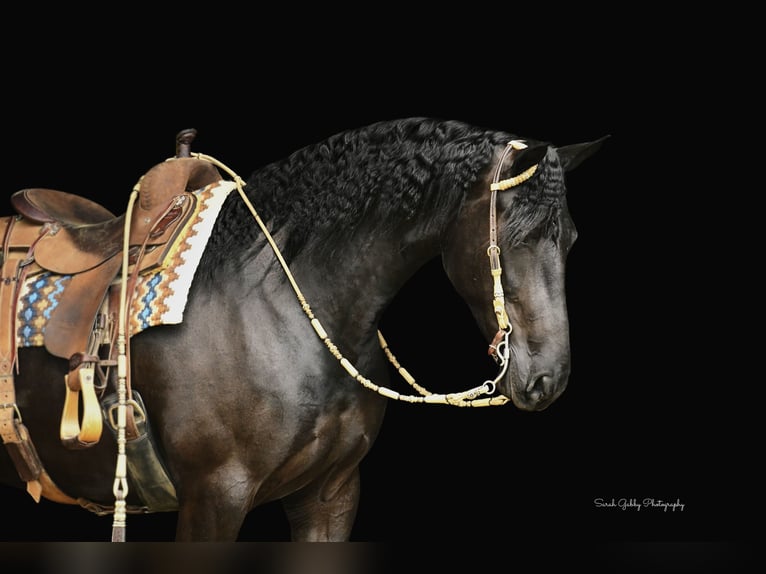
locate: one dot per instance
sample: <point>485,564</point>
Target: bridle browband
<point>499,348</point>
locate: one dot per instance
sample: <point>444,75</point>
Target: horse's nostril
<point>540,387</point>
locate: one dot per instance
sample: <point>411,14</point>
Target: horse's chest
<point>323,444</point>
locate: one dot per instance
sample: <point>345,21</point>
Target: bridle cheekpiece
<point>493,251</point>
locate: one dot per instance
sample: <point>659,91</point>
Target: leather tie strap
<point>13,432</point>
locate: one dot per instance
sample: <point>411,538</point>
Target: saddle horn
<point>172,177</point>
<point>184,140</point>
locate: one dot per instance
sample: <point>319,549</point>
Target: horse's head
<point>520,288</point>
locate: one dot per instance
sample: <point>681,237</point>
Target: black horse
<point>261,395</point>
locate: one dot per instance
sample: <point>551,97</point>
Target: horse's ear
<point>573,155</point>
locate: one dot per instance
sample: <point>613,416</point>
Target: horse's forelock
<point>537,206</point>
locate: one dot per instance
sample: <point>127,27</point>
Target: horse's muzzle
<point>539,390</point>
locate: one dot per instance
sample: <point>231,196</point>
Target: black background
<point>650,411</point>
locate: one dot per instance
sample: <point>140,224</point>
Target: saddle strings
<point>467,398</point>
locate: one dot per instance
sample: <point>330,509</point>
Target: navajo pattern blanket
<point>160,295</point>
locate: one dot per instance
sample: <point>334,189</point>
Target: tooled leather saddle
<point>69,235</point>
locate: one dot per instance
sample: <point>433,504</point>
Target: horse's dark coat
<point>247,404</point>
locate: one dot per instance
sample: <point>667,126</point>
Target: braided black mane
<point>415,169</point>
<point>384,172</point>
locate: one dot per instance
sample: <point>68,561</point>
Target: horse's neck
<point>355,285</point>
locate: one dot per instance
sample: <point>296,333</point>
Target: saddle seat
<point>50,205</point>
<point>82,233</point>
